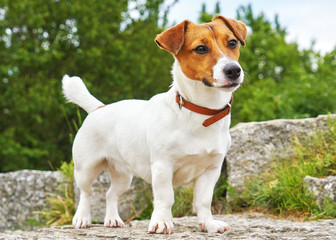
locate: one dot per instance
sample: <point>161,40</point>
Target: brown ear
<point>237,27</point>
<point>172,39</point>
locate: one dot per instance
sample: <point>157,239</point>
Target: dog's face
<point>207,52</point>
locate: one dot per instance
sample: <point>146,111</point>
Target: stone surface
<point>255,145</point>
<point>22,193</point>
<point>321,187</point>
<point>243,226</point>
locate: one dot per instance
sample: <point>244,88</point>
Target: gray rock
<point>243,226</point>
<point>321,188</point>
<point>22,193</point>
<point>255,145</point>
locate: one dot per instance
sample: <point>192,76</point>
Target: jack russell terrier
<point>176,138</point>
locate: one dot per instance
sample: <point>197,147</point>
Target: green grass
<point>183,201</point>
<point>62,204</point>
<point>282,192</point>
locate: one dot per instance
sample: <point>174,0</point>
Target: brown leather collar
<point>217,114</point>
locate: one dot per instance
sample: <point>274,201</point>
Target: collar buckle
<point>181,102</point>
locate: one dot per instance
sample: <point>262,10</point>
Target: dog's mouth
<point>231,85</point>
<point>207,83</point>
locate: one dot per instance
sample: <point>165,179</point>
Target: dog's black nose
<point>232,71</point>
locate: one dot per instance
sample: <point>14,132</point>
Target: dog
<point>176,138</point>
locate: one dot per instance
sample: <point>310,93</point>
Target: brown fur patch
<point>172,39</point>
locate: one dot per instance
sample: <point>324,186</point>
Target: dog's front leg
<point>162,219</point>
<point>203,191</point>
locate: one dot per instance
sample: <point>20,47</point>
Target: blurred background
<point>289,60</point>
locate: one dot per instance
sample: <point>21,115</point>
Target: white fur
<point>218,73</point>
<point>76,92</point>
<point>155,140</point>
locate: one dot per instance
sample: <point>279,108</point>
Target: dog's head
<point>207,52</point>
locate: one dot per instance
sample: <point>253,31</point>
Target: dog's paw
<point>161,225</point>
<point>81,221</point>
<point>113,222</point>
<point>214,226</point>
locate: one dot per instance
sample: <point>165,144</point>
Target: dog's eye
<point>232,44</point>
<point>202,49</point>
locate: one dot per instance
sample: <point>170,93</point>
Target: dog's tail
<point>76,92</point>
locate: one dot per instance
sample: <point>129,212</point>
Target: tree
<point>110,45</point>
<point>207,17</point>
<point>40,41</point>
<point>282,80</point>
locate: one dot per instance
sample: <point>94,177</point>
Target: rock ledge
<point>243,226</point>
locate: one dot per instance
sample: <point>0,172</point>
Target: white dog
<point>176,138</point>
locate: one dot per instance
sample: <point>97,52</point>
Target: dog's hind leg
<point>120,182</point>
<point>84,176</point>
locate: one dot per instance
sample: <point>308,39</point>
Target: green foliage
<point>219,202</point>
<point>40,41</point>
<point>67,170</point>
<point>183,201</point>
<point>282,81</point>
<point>207,17</point>
<point>329,207</point>
<point>61,211</point>
<point>62,205</point>
<point>144,195</point>
<point>282,190</point>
